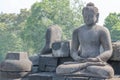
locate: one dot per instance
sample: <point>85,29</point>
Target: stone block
<point>16,65</point>
<point>113,79</point>
<point>59,78</point>
<point>41,76</point>
<point>35,63</point>
<point>13,75</point>
<point>47,63</point>
<point>77,78</point>
<point>16,55</point>
<point>14,79</point>
<point>96,79</point>
<point>35,69</point>
<point>34,59</point>
<point>61,49</point>
<point>9,79</point>
<point>116,51</point>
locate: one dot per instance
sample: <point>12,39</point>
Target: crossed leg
<point>97,68</point>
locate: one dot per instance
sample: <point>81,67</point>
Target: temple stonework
<point>83,58</point>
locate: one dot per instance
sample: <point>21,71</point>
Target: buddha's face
<point>90,17</point>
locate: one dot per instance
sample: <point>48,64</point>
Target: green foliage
<point>11,26</point>
<point>26,31</point>
<point>112,22</point>
<point>50,12</point>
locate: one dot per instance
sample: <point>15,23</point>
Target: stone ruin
<point>53,34</point>
<point>51,63</point>
<point>17,66</point>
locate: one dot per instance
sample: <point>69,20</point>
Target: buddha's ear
<point>97,16</point>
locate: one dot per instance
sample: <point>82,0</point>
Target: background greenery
<point>26,31</point>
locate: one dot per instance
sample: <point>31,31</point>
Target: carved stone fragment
<point>15,65</point>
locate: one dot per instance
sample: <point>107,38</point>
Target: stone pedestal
<point>16,65</point>
<point>47,63</point>
<point>41,76</point>
<point>53,76</point>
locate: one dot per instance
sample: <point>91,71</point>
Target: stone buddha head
<point>90,14</point>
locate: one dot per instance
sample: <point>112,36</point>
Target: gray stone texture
<point>16,55</point>
<point>35,63</point>
<point>61,49</point>
<point>77,78</point>
<point>59,78</point>
<point>116,66</point>
<point>15,65</point>
<point>53,34</point>
<point>64,59</point>
<point>41,76</point>
<point>96,79</point>
<point>34,59</point>
<point>85,47</point>
<point>116,51</point>
<point>35,69</point>
<point>47,63</point>
<point>14,79</point>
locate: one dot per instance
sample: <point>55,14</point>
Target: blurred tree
<point>11,26</point>
<point>112,22</point>
<point>50,12</point>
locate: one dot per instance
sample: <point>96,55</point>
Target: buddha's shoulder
<point>102,28</point>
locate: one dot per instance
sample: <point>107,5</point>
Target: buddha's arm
<point>75,46</point>
<point>107,46</point>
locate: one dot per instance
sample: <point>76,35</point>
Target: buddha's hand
<point>77,58</point>
<point>96,63</point>
<point>92,60</point>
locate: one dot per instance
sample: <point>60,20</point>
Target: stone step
<point>41,76</point>
<point>14,79</point>
<point>53,76</point>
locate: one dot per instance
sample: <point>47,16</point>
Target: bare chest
<point>89,36</point>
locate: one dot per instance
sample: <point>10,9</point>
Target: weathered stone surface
<point>9,79</point>
<point>77,78</point>
<point>35,69</point>
<point>85,47</point>
<point>16,55</point>
<point>116,66</point>
<point>34,59</point>
<point>116,51</point>
<point>61,49</point>
<point>96,79</point>
<point>15,65</point>
<point>64,59</point>
<point>53,34</point>
<point>41,76</point>
<point>48,63</point>
<point>35,63</point>
<point>116,77</point>
<point>59,78</point>
<point>13,75</point>
<point>14,79</point>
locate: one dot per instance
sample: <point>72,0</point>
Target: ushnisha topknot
<point>90,4</point>
<point>90,7</point>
